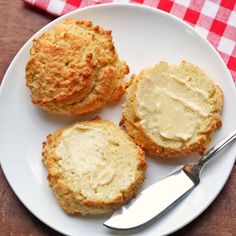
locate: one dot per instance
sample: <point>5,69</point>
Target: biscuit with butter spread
<point>93,167</point>
<point>74,69</point>
<point>172,110</point>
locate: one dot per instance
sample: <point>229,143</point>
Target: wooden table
<point>17,25</point>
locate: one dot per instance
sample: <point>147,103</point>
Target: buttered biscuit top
<point>74,69</point>
<point>174,107</point>
<point>93,167</point>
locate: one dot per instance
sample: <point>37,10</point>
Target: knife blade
<point>143,208</point>
<point>161,196</point>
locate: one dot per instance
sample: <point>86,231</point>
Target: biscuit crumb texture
<point>74,69</point>
<point>93,167</point>
<point>172,110</point>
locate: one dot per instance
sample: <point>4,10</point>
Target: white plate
<point>143,36</point>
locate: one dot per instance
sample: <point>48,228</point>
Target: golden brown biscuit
<point>74,69</point>
<point>172,110</point>
<point>93,167</point>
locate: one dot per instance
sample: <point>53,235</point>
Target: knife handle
<point>217,148</point>
<point>193,170</point>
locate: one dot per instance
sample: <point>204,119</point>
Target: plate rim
<point>112,5</point>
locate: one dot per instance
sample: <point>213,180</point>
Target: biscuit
<point>74,69</point>
<point>172,110</point>
<point>93,167</point>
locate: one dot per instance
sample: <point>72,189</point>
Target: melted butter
<point>168,106</point>
<point>84,155</point>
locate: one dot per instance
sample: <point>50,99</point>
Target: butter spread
<point>96,162</point>
<point>169,107</point>
<point>85,155</point>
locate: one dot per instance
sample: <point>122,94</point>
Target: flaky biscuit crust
<point>74,69</point>
<point>71,200</point>
<point>130,121</point>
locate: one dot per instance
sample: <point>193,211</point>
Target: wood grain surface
<point>17,25</point>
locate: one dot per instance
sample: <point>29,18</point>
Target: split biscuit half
<point>93,167</point>
<point>172,110</point>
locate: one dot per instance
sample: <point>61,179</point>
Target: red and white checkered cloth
<point>213,19</point>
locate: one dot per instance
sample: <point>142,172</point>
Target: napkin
<point>215,20</point>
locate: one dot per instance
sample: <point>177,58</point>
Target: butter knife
<point>164,194</point>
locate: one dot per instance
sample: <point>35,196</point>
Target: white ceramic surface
<point>143,36</point>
